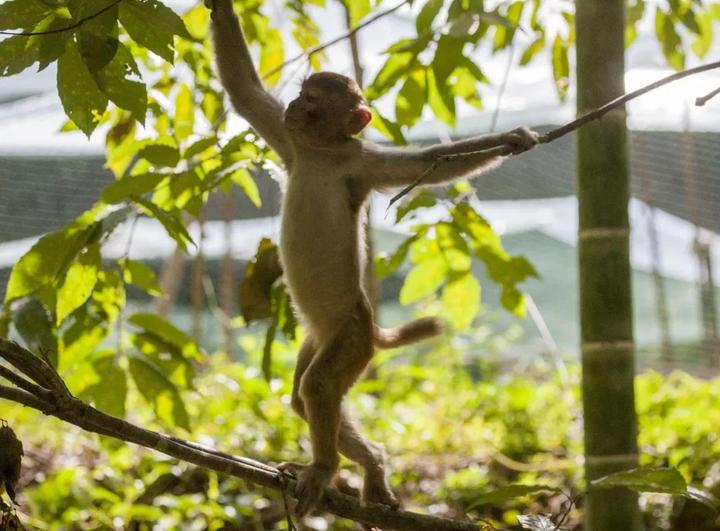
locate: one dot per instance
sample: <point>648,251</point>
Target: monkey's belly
<point>322,273</point>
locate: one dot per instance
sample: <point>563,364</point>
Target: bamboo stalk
<point>604,264</point>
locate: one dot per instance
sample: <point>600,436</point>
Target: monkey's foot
<point>378,491</point>
<point>312,480</point>
<point>291,469</point>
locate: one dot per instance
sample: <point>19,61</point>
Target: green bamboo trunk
<point>604,265</point>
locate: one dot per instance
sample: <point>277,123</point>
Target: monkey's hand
<point>520,140</point>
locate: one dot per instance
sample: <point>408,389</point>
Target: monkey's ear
<point>357,120</point>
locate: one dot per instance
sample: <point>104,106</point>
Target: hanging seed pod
<point>11,452</point>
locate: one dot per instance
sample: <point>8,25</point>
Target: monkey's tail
<point>411,332</point>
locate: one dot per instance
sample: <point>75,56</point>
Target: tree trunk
<point>604,266</point>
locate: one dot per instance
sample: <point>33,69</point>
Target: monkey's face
<point>330,108</point>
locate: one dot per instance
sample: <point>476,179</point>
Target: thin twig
<point>66,28</point>
<point>312,51</point>
<point>565,129</point>
<point>703,100</point>
<point>90,419</point>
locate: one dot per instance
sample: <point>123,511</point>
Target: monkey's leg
<point>330,374</point>
<point>369,455</point>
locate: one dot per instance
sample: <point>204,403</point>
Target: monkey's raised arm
<point>242,83</point>
<point>392,167</point>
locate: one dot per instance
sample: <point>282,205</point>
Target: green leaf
<point>388,128</point>
<point>513,300</point>
<point>702,44</point>
<point>131,185</point>
<point>561,67</point>
<point>244,180</point>
<point>503,494</point>
<point>441,100</point>
<point>110,392</point>
<point>34,323</point>
<point>22,14</point>
<point>667,480</point>
<point>427,15</point>
<point>170,220</point>
<point>453,247</point>
<point>423,279</point>
<point>155,325</point>
<point>114,81</point>
<point>109,294</point>
<point>272,55</point>
<point>152,25</point>
<point>51,46</point>
<point>199,146</point>
<point>82,99</point>
<point>411,99</point>
<point>670,41</point>
<point>533,49</point>
<point>45,261</point>
<point>448,54</point>
<point>461,298</point>
<point>160,392</point>
<point>160,154</point>
<point>140,275</point>
<point>396,66</point>
<point>184,113</point>
<point>16,54</point>
<point>357,9</point>
<point>79,282</point>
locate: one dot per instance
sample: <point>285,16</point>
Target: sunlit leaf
<point>109,293</point>
<point>667,480</point>
<point>423,279</point>
<point>152,25</point>
<point>441,100</point>
<point>272,54</point>
<point>171,221</point>
<point>427,15</point>
<point>561,66</point>
<point>461,299</point>
<point>164,329</point>
<point>123,188</point>
<point>388,128</point>
<point>411,99</point>
<point>244,180</point>
<point>140,275</point>
<point>80,95</point>
<point>33,322</point>
<point>184,112</point>
<point>256,286</point>
<point>160,154</point>
<point>79,282</point>
<point>110,392</point>
<point>114,81</point>
<point>160,392</point>
<point>508,493</point>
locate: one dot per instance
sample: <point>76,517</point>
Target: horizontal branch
<point>570,126</point>
<point>55,400</point>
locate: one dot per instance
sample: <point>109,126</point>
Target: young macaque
<point>331,175</point>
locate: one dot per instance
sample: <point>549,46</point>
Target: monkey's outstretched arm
<point>391,167</point>
<point>241,80</point>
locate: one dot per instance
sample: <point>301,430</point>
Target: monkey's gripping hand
<point>520,140</point>
<point>219,5</point>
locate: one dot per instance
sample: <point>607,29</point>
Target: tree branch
<point>312,51</point>
<point>52,398</point>
<point>703,100</point>
<point>571,126</point>
<point>72,26</point>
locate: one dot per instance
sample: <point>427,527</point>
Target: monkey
<point>331,175</point>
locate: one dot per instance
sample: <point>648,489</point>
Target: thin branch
<point>54,402</point>
<point>702,101</point>
<point>72,26</point>
<point>567,128</point>
<point>312,51</point>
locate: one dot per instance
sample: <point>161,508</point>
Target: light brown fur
<point>331,176</point>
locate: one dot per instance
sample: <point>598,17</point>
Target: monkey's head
<point>330,108</point>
